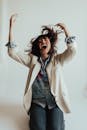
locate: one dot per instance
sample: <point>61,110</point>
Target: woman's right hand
<point>13,19</point>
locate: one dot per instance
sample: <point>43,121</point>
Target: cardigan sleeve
<point>19,55</point>
<point>69,53</point>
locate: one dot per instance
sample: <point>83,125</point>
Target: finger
<point>14,16</point>
<point>58,24</point>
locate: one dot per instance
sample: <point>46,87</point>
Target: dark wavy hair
<point>46,32</point>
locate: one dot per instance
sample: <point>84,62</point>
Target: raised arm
<point>71,45</point>
<point>13,51</point>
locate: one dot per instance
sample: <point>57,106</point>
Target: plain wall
<point>31,16</point>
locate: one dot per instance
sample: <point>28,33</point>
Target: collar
<point>44,62</point>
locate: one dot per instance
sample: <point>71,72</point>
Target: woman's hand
<point>64,28</point>
<point>13,19</point>
<point>11,23</point>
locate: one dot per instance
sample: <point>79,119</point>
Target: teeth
<point>44,45</point>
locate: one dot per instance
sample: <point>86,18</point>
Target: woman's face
<point>44,45</point>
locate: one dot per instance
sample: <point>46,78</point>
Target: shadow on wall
<point>13,117</point>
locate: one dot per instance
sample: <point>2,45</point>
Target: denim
<point>41,93</point>
<point>46,119</point>
<point>70,39</point>
<point>11,45</point>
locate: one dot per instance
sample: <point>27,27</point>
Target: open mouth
<point>44,47</point>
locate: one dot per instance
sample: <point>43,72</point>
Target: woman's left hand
<point>64,28</point>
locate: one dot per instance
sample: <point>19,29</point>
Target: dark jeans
<point>45,119</point>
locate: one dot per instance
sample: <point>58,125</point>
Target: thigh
<point>37,117</point>
<point>55,119</point>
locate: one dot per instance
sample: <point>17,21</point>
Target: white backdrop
<point>31,15</point>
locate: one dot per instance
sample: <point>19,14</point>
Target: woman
<point>46,97</point>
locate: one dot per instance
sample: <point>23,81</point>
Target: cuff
<point>70,39</point>
<point>11,44</point>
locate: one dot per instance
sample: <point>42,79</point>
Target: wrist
<point>67,33</point>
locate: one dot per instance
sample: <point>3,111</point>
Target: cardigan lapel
<point>49,70</point>
<point>35,72</point>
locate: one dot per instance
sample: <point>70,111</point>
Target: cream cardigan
<point>54,71</point>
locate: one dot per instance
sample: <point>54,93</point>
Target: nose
<point>43,40</point>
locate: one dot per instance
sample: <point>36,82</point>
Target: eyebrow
<point>42,38</point>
